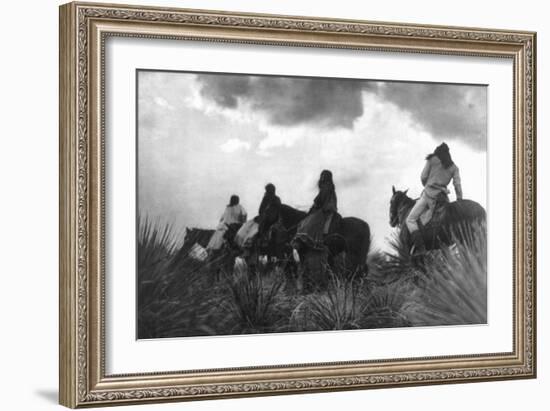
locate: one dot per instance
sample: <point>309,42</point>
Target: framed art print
<point>258,204</point>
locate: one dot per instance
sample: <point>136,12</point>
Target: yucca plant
<point>170,302</point>
<point>253,300</point>
<point>455,292</point>
<point>155,242</point>
<point>154,247</point>
<point>340,307</point>
<point>386,305</point>
<point>448,287</point>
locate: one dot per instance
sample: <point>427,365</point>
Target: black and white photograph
<point>278,204</point>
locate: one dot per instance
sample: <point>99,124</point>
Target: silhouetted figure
<point>269,208</point>
<point>320,216</point>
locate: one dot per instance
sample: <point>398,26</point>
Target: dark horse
<point>222,259</point>
<point>352,236</point>
<point>438,231</point>
<point>278,227</point>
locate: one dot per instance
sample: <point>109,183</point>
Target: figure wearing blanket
<point>234,214</point>
<point>318,222</point>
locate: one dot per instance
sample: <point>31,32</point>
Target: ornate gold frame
<point>83,30</point>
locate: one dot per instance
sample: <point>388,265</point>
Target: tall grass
<point>179,297</point>
<point>340,307</point>
<point>252,300</point>
<point>171,300</point>
<point>455,292</point>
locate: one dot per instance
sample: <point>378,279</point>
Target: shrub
<point>455,291</point>
<point>340,307</point>
<point>252,300</point>
<point>177,298</point>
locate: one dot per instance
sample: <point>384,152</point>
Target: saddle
<point>441,202</point>
<point>330,234</point>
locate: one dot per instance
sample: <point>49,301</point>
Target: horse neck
<point>404,208</point>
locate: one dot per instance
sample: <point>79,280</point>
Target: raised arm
<point>425,173</point>
<point>457,183</point>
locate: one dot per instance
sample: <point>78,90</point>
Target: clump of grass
<point>154,247</point>
<point>455,292</point>
<point>253,300</point>
<point>340,307</point>
<point>446,287</point>
<point>394,265</point>
<point>170,301</point>
<point>387,305</point>
<point>155,242</point>
<point>177,297</point>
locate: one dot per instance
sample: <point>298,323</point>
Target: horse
<point>351,236</point>
<point>222,259</point>
<point>275,228</point>
<point>438,231</point>
<point>278,226</point>
<point>192,236</point>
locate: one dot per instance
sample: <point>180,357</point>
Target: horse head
<point>397,199</point>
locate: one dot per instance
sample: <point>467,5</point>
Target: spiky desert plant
<point>252,300</point>
<point>155,242</point>
<point>171,302</point>
<point>155,245</point>
<point>447,286</point>
<point>339,307</point>
<point>455,292</point>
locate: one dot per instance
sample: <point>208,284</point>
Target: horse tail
<point>465,211</point>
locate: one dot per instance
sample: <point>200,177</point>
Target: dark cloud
<point>446,111</point>
<point>225,90</point>
<point>289,101</point>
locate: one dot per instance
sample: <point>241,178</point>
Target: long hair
<point>233,201</point>
<point>325,178</point>
<point>442,152</point>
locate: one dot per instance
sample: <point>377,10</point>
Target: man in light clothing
<point>234,213</point>
<point>438,172</point>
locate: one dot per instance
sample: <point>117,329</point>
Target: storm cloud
<point>446,111</point>
<point>201,140</point>
<point>289,101</point>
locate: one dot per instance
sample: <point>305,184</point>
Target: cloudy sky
<point>205,136</point>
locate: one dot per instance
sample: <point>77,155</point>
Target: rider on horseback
<point>270,203</point>
<point>326,199</point>
<point>318,222</point>
<point>268,212</point>
<point>233,215</point>
<point>438,172</point>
